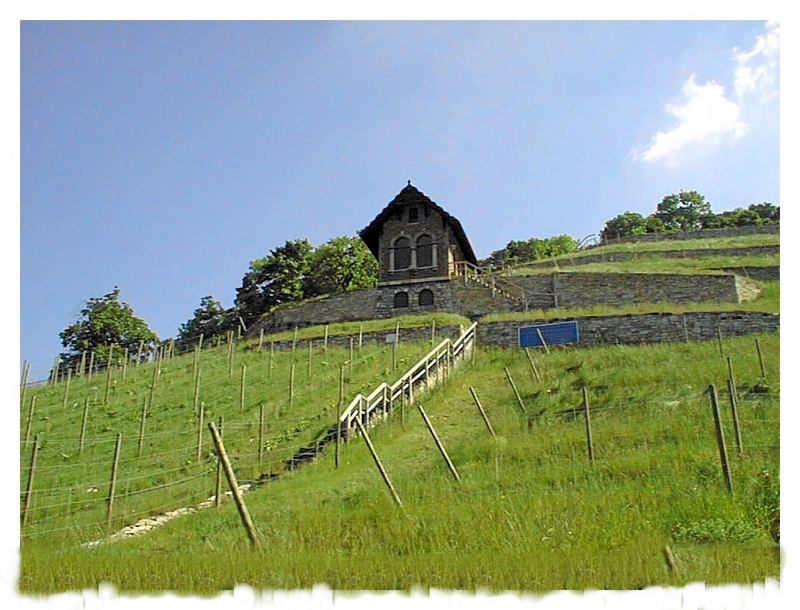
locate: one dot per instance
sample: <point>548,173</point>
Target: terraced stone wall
<point>643,328</point>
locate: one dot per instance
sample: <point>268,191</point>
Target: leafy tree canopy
<point>685,211</point>
<point>532,249</point>
<point>688,211</point>
<point>210,319</point>
<point>106,322</point>
<point>277,278</point>
<point>341,264</point>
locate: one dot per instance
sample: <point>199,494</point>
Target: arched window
<point>402,253</point>
<point>425,297</point>
<point>401,299</point>
<point>424,251</point>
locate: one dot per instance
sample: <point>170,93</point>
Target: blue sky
<point>161,157</point>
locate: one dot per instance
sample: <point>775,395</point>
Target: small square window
<point>413,215</point>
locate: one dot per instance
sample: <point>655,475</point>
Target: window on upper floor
<point>424,251</point>
<point>402,253</point>
<point>413,215</point>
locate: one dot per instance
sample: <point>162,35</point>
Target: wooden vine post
<point>517,395</point>
<point>66,389</point>
<point>761,361</point>
<point>291,384</point>
<point>439,444</point>
<point>588,421</point>
<point>261,421</point>
<point>196,393</point>
<point>271,357</point>
<point>242,387</point>
<point>125,364</point>
<point>544,343</point>
<point>720,434</point>
<point>113,483</point>
<point>84,422</point>
<point>534,370</point>
<point>378,463</point>
<point>244,515</point>
<point>734,408</point>
<point>30,421</point>
<point>218,483</point>
<point>141,428</point>
<point>339,406</point>
<point>482,412</point>
<point>91,364</point>
<point>29,486</point>
<point>108,383</point>
<point>351,357</point>
<point>153,383</point>
<point>200,431</point>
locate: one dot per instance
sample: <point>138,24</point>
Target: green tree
<point>685,211</point>
<point>768,212</point>
<point>103,323</point>
<point>628,223</point>
<point>275,279</point>
<point>532,249</point>
<point>210,319</point>
<point>343,263</point>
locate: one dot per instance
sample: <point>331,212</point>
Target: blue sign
<point>557,333</point>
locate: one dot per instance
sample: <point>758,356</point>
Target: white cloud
<point>705,117</point>
<point>757,69</point>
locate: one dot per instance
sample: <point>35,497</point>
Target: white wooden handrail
<point>411,375</point>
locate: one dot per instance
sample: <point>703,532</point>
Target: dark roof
<point>410,195</point>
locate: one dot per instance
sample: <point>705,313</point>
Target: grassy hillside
<point>71,486</point>
<point>531,512</point>
<point>706,264</point>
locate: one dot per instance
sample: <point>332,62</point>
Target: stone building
<point>421,250</point>
<point>416,242</point>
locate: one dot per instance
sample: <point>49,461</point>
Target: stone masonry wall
<point>571,289</point>
<point>575,289</point>
<point>756,273</point>
<point>369,304</point>
<point>420,333</point>
<point>643,328</point>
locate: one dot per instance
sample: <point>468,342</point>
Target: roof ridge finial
<point>409,183</point>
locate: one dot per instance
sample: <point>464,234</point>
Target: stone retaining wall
<point>576,289</point>
<point>418,333</point>
<point>565,289</point>
<point>643,328</point>
<point>757,273</point>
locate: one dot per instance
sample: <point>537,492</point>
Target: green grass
<point>710,264</point>
<point>530,513</point>
<point>740,241</point>
<point>352,328</point>
<point>70,487</point>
